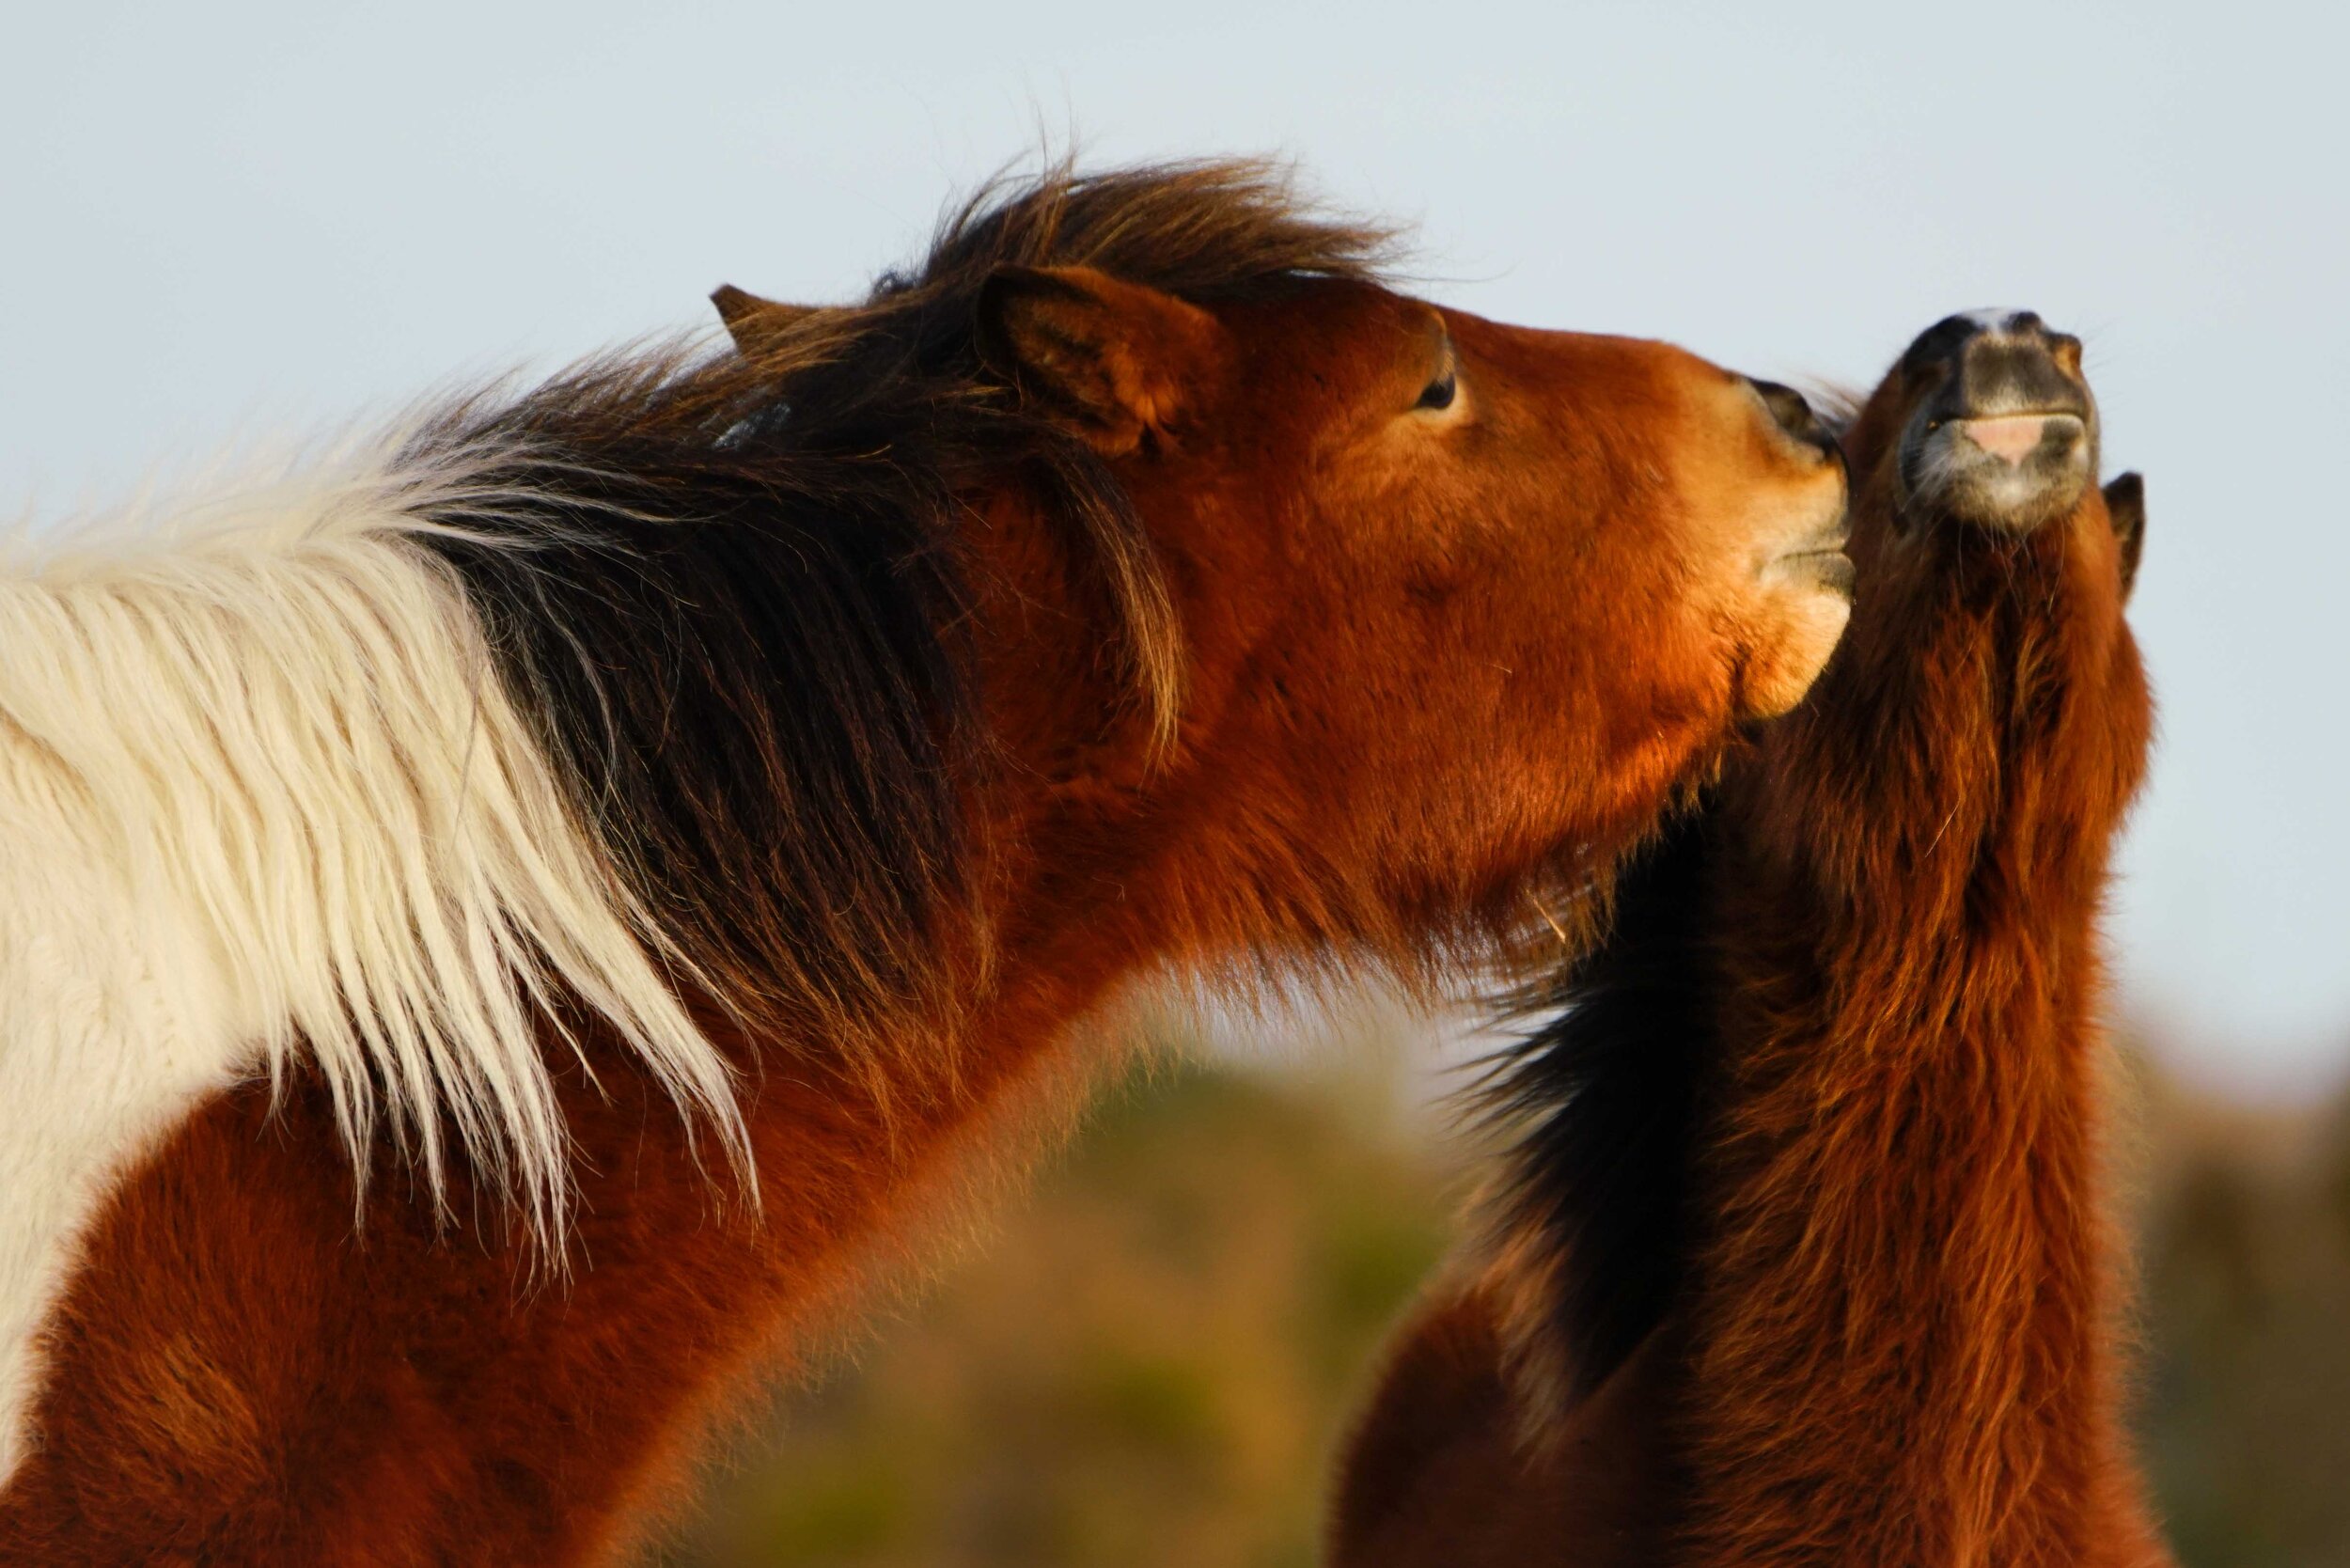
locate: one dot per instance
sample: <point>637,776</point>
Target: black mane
<point>724,585</point>
<point>1603,1099</point>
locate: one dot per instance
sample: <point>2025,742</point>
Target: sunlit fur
<point>1803,1255</point>
<point>888,697</point>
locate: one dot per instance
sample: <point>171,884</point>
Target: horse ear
<point>2125,503</point>
<point>1110,358</point>
<point>755,324</point>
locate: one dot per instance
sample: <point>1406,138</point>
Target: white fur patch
<point>261,793</point>
<point>1993,317</point>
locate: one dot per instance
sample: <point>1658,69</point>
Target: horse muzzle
<point>2007,436</point>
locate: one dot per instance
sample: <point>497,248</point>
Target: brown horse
<point>815,738</point>
<point>1800,1256</point>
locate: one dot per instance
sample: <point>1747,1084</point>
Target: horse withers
<point>1800,1254</point>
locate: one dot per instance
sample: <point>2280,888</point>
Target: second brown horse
<point>1799,1257</point>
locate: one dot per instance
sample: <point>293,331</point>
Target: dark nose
<point>1997,363</point>
<point>1794,416</point>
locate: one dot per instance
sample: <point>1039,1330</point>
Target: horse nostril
<point>1793,416</point>
<point>2014,437</point>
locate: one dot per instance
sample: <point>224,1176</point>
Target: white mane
<point>262,796</point>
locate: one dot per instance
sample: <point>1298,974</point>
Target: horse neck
<point>1906,1287</point>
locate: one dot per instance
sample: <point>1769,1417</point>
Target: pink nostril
<point>2010,437</point>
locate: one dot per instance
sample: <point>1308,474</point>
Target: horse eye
<point>1439,393</point>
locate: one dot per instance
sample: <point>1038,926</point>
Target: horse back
<point>1446,1466</point>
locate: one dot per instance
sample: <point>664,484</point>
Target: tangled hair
<point>726,587</point>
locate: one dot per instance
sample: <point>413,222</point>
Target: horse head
<point>1433,603</point>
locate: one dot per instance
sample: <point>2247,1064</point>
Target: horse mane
<point>773,724</point>
<point>1596,1107</point>
<point>630,694</point>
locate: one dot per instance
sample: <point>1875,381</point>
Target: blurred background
<point>1152,1361</point>
<point>252,217</point>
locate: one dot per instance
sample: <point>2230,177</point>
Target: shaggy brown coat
<point>1803,1258</point>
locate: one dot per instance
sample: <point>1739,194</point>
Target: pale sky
<point>247,218</point>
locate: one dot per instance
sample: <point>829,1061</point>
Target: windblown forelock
<point>1204,230</point>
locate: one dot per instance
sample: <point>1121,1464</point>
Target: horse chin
<point>1806,603</point>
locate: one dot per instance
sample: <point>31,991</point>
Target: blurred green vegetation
<point>1146,1364</point>
<point>1152,1360</point>
<point>2246,1320</point>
